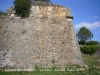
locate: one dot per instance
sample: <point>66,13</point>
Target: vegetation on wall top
<point>22,7</point>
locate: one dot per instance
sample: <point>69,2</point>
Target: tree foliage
<point>81,42</point>
<point>84,34</point>
<point>22,7</point>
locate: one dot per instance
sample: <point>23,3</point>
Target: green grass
<point>89,60</point>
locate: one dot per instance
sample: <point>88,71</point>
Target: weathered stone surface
<point>97,54</point>
<point>45,36</point>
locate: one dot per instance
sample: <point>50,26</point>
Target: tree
<point>84,34</point>
<point>81,42</point>
<point>92,43</point>
<point>22,7</point>
<point>43,0</point>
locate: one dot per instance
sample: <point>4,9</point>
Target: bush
<point>90,49</point>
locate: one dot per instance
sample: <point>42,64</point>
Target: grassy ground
<point>89,60</point>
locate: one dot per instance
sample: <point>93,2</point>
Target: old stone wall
<point>45,39</point>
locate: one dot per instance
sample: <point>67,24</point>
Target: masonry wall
<point>45,39</point>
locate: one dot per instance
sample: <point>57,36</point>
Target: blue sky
<point>85,12</point>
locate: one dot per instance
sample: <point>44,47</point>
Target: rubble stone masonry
<point>44,39</point>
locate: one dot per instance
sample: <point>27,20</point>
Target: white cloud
<point>94,17</point>
<point>88,25</point>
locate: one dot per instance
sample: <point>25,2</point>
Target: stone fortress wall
<point>45,39</point>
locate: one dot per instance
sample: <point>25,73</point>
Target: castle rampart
<point>45,39</point>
